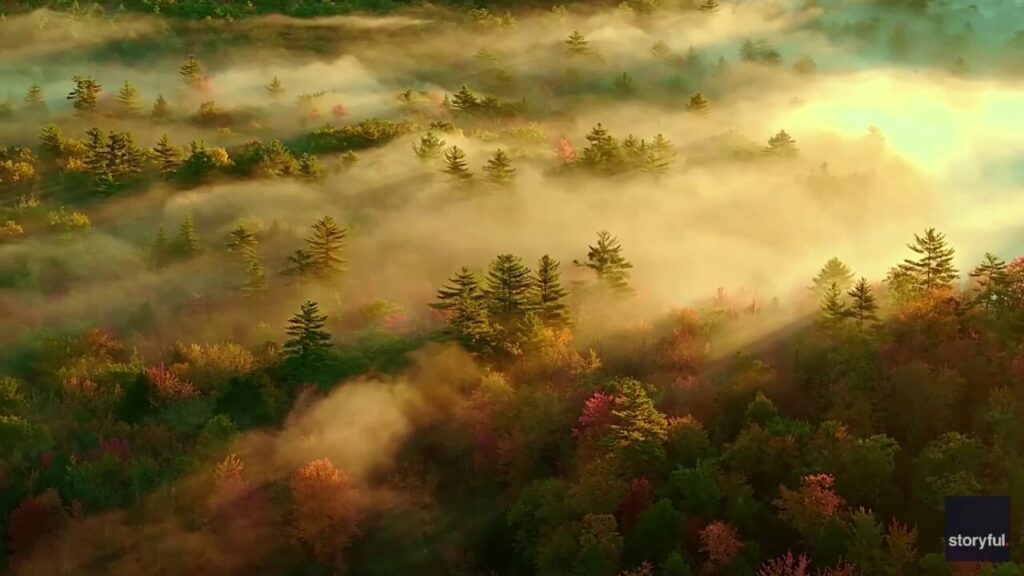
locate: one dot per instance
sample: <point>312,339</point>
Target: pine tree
<point>833,308</point>
<point>95,151</point>
<point>242,241</point>
<point>606,260</point>
<point>86,94</point>
<point>576,43</point>
<point>51,141</point>
<point>325,247</point>
<point>547,294</point>
<point>167,157</point>
<point>275,88</point>
<point>782,144</point>
<point>660,49</point>
<point>464,100</point>
<point>128,100</point>
<point>430,146</point>
<point>310,167</point>
<point>256,277</point>
<point>191,72</point>
<point>187,243</point>
<point>122,156</point>
<point>709,6</point>
<point>603,154</point>
<point>161,110</point>
<point>508,289</point>
<point>300,264</point>
<point>833,272</point>
<point>307,342</point>
<point>499,169</point>
<point>805,66</point>
<point>934,269</point>
<point>991,278</point>
<point>35,102</point>
<point>658,155</point>
<point>624,83</point>
<point>862,303</point>
<point>160,251</point>
<point>464,300</point>
<point>456,165</point>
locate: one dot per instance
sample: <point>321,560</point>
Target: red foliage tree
<point>721,543</point>
<point>339,111</point>
<point>638,499</point>
<point>565,151</point>
<point>811,507</point>
<point>596,416</point>
<point>33,521</point>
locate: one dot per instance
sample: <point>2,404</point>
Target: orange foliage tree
<point>326,514</point>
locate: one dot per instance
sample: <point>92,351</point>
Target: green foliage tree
<point>455,164</point>
<point>167,157</point>
<point>577,44</point>
<point>35,101</point>
<point>863,307</point>
<point>191,72</point>
<point>934,268</point>
<point>275,88</point>
<point>782,144</point>
<point>499,169</point>
<point>638,428</point>
<point>833,308</point>
<point>310,167</point>
<point>548,295</point>
<point>624,84</point>
<point>325,248</point>
<point>187,244</point>
<point>465,101</point>
<point>865,542</point>
<point>242,241</point>
<point>606,260</point>
<point>660,49</point>
<point>465,301</point>
<point>603,153</point>
<point>128,100</point>
<point>85,95</point>
<point>990,284</point>
<point>161,110</point>
<point>833,272</point>
<point>429,147</point>
<point>307,341</point>
<point>509,283</point>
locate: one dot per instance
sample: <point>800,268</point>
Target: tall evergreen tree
<point>455,164</point>
<point>624,84</point>
<point>499,169</point>
<point>833,309</point>
<point>167,157</point>
<point>128,100</point>
<point>307,342</point>
<point>256,277</point>
<point>934,268</point>
<point>95,159</point>
<point>547,294</point>
<point>325,247</point>
<point>603,153</point>
<point>191,72</point>
<point>122,156</point>
<point>51,141</point>
<point>464,299</point>
<point>310,167</point>
<point>187,243</point>
<point>464,100</point>
<point>658,155</point>
<point>576,43</point>
<point>275,88</point>
<point>863,307</point>
<point>782,144</point>
<point>242,241</point>
<point>508,288</point>
<point>833,272</point>
<point>86,94</point>
<point>161,109</point>
<point>160,251</point>
<point>429,147</point>
<point>697,103</point>
<point>990,279</point>
<point>35,102</point>
<point>606,260</point>
<point>660,49</point>
<point>300,264</point>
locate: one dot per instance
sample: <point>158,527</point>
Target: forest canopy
<point>641,288</point>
